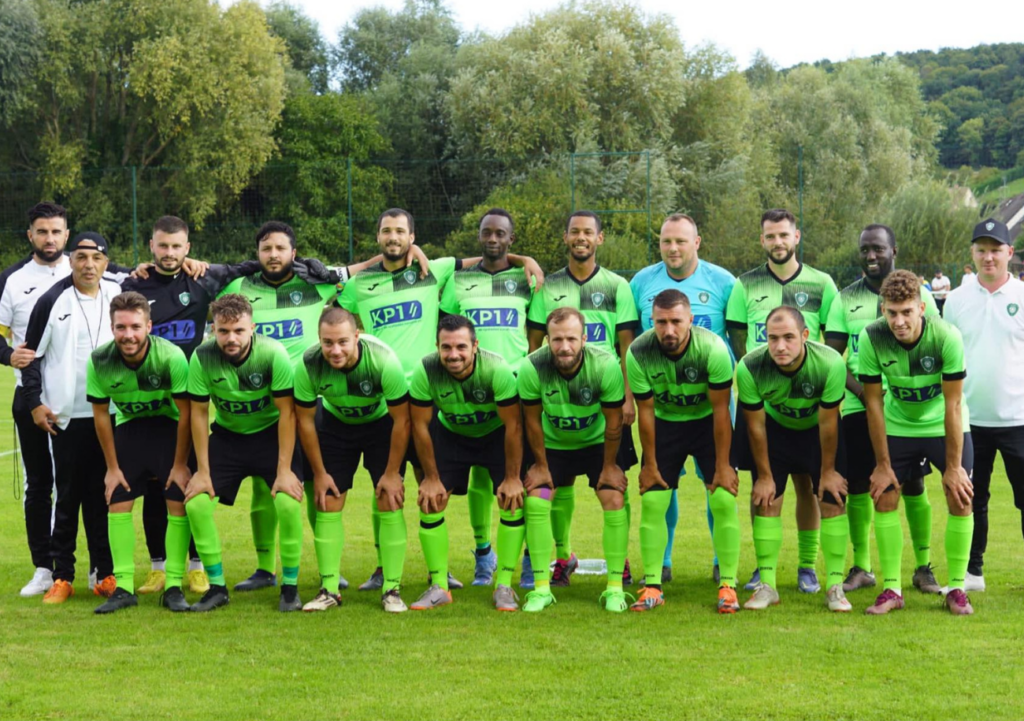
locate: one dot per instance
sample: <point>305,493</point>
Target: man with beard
<point>606,302</point>
<point>783,280</point>
<point>856,306</point>
<point>147,378</point>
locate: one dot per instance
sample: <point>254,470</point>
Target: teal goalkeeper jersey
<point>242,394</point>
<point>758,292</point>
<point>605,299</point>
<point>572,416</point>
<point>358,395</point>
<point>497,303</point>
<point>469,406</point>
<point>144,391</point>
<point>399,307</point>
<point>857,306</point>
<point>679,384</point>
<point>792,399</point>
<point>289,313</point>
<point>914,404</point>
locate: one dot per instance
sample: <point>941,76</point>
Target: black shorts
<point>626,458</point>
<point>792,452</point>
<point>1009,443</point>
<point>455,454</point>
<point>860,458</point>
<point>145,452</point>
<point>236,456</point>
<point>740,455</point>
<point>565,466</point>
<point>678,440</point>
<point>342,444</point>
<point>905,456</point>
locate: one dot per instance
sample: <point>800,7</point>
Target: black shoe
<point>289,598</point>
<point>174,600</point>
<point>342,583</point>
<point>259,579</point>
<point>216,597</point>
<point>716,574</point>
<point>119,599</point>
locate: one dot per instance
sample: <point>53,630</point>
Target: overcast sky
<point>788,31</point>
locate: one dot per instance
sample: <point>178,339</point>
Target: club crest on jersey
<point>296,297</point>
<point>366,387</point>
<point>1012,309</point>
<point>928,363</point>
<point>801,299</point>
<point>480,395</point>
<point>511,285</point>
<point>256,379</point>
<point>808,389</point>
<point>184,298</point>
<point>704,296</point>
<point>691,374</point>
<point>597,299</point>
<point>410,276</point>
<point>154,381</point>
<point>586,395</point>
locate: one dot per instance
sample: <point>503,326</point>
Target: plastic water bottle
<point>592,567</point>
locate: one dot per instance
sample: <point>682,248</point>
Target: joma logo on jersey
<point>681,401</point>
<point>134,408</point>
<point>760,332</point>
<point>469,419</point>
<point>281,330</point>
<point>916,395</point>
<point>397,313</point>
<point>241,408</point>
<point>572,423</point>
<point>494,317</point>
<point>596,333</point>
<point>795,412</point>
<point>176,331</point>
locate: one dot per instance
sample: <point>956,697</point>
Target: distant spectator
<point>968,272</point>
<point>940,289</point>
<point>924,283</point>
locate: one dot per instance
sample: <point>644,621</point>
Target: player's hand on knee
<point>650,477</point>
<point>958,486</point>
<point>287,482</point>
<point>510,494</point>
<point>882,478</point>
<point>538,477</point>
<point>763,493</point>
<point>431,495</point>
<point>198,484</point>
<point>323,486</point>
<point>832,482</point>
<point>179,476</point>
<point>726,477</point>
<point>612,477</point>
<point>111,481</point>
<point>391,488</point>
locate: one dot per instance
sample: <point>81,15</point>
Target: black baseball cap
<point>88,241</point>
<point>993,229</point>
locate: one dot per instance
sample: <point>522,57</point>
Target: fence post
<point>650,238</point>
<point>135,216</point>
<point>348,182</point>
<point>572,182</point>
<point>800,192</point>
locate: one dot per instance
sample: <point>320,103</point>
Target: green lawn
<point>467,661</point>
<point>1001,192</point>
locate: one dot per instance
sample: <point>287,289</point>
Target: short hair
<point>676,217</point>
<point>397,213</point>
<point>560,315</point>
<point>230,307</point>
<point>171,224</point>
<point>670,298</point>
<point>130,301</point>
<point>502,213</point>
<point>275,226</point>
<point>452,323</point>
<point>777,215</point>
<point>900,286</point>
<point>46,210</point>
<point>333,315</point>
<point>583,214</point>
<point>792,312</point>
<point>889,234</point>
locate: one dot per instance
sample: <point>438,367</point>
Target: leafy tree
<point>307,49</point>
<point>20,39</point>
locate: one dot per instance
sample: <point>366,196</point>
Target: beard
<point>784,260</point>
<point>277,276</point>
<point>568,363</point>
<point>47,257</point>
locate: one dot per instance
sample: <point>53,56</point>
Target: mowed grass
<point>467,661</point>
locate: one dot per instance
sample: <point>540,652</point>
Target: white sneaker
<point>764,596</point>
<point>392,602</point>
<point>92,578</point>
<point>836,599</point>
<point>41,581</point>
<point>973,583</point>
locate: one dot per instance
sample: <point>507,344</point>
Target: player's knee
<point>200,506</point>
<point>721,501</point>
<point>831,509</point>
<point>611,500</point>
<point>888,501</point>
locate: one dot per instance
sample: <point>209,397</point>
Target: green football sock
<point>375,514</point>
<point>204,531</point>
<point>434,541</point>
<point>329,540</point>
<point>263,517</point>
<point>653,533</point>
<point>726,535</point>
<point>860,510</point>
<point>309,494</point>
<point>539,540</point>
<point>628,508</point>
<point>767,544</point>
<point>563,503</point>
<point>480,498</point>
<point>919,518</point>
<point>959,532</point>
<point>807,547</point>
<point>889,538</point>
<point>121,532</point>
<point>391,551</point>
<point>511,533</point>
<point>835,534</point>
<point>289,514</point>
<point>176,540</point>
<point>616,544</point>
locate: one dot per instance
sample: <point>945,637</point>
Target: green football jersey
<point>358,395</point>
<point>572,416</point>
<point>399,307</point>
<point>792,399</point>
<point>604,298</point>
<point>679,384</point>
<point>144,391</point>
<point>758,292</point>
<point>469,406</point>
<point>497,303</point>
<point>242,394</point>
<point>289,312</point>
<point>856,306</point>
<point>914,405</point>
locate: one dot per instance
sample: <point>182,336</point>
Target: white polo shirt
<point>23,288</point>
<point>992,325</point>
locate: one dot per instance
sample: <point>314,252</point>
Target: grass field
<point>467,661</point>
